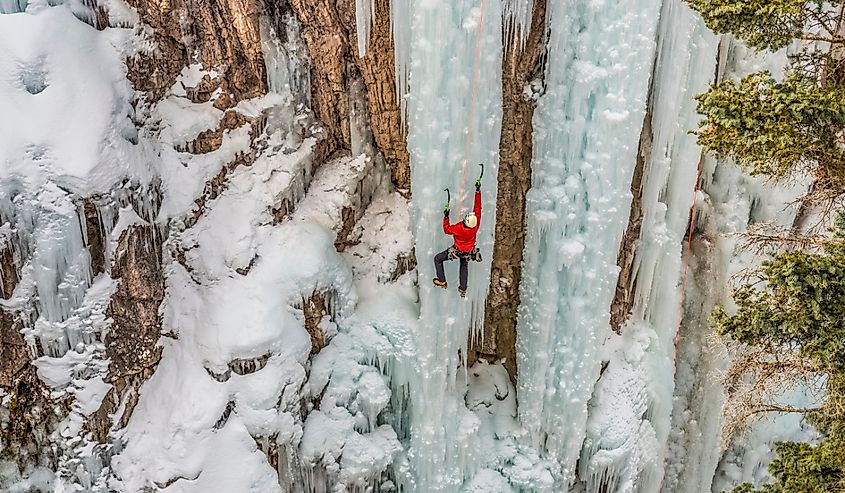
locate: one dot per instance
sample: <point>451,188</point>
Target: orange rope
<point>686,264</point>
<point>687,255</point>
<point>471,109</point>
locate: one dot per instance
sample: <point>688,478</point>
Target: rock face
<point>522,66</point>
<point>329,58</point>
<point>313,309</point>
<point>136,328</point>
<point>221,35</point>
<point>328,27</point>
<point>13,351</point>
<point>94,236</point>
<point>378,68</point>
<point>623,300</point>
<point>132,340</point>
<point>30,413</point>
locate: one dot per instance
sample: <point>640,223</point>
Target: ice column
<point>629,414</point>
<point>731,200</point>
<point>443,36</point>
<point>586,131</point>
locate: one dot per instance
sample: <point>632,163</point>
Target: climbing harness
<point>455,254</point>
<point>472,107</point>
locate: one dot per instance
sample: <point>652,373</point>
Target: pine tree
<point>771,24</point>
<point>801,309</point>
<point>795,316</point>
<point>776,127</point>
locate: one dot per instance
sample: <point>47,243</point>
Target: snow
<point>55,65</point>
<point>220,315</point>
<point>231,449</point>
<point>382,239</point>
<point>90,393</point>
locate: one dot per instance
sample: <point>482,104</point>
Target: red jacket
<point>464,237</point>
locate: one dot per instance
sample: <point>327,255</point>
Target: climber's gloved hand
<point>446,212</point>
<point>478,185</point>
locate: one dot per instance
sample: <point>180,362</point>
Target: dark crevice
<point>522,68</point>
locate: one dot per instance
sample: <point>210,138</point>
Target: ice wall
<point>730,202</point>
<point>12,6</point>
<point>586,130</point>
<point>629,412</point>
<point>442,43</point>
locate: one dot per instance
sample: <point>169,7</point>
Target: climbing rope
<point>471,109</point>
<point>687,255</point>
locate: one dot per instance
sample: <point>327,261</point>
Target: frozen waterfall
<point>442,45</point>
<point>587,126</point>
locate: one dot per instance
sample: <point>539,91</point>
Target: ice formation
<point>587,127</point>
<point>638,381</point>
<point>445,92</point>
<point>239,402</point>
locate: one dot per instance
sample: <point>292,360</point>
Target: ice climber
<point>464,247</point>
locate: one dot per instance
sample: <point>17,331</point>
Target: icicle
<point>517,14</point>
<point>589,118</point>
<point>12,6</point>
<point>400,20</point>
<point>364,13</point>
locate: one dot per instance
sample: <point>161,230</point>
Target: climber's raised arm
<point>477,205</point>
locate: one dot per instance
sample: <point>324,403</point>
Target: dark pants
<point>452,253</point>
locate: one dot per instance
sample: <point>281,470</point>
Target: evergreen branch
<point>821,39</point>
<point>774,408</point>
<point>823,24</point>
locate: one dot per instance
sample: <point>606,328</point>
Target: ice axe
<point>478,181</point>
<point>448,199</point>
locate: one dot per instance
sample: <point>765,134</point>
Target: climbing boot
<point>442,284</point>
<point>462,293</point>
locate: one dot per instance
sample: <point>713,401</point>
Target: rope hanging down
<point>687,254</point>
<point>471,109</point>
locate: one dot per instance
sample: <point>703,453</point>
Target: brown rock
<point>379,71</point>
<point>329,50</point>
<point>126,388</point>
<point>131,343</point>
<point>328,27</point>
<point>8,271</point>
<point>314,308</point>
<point>14,356</point>
<point>221,35</point>
<point>623,299</point>
<point>132,340</point>
<point>94,236</point>
<point>211,140</point>
<point>522,63</point>
<point>32,415</point>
